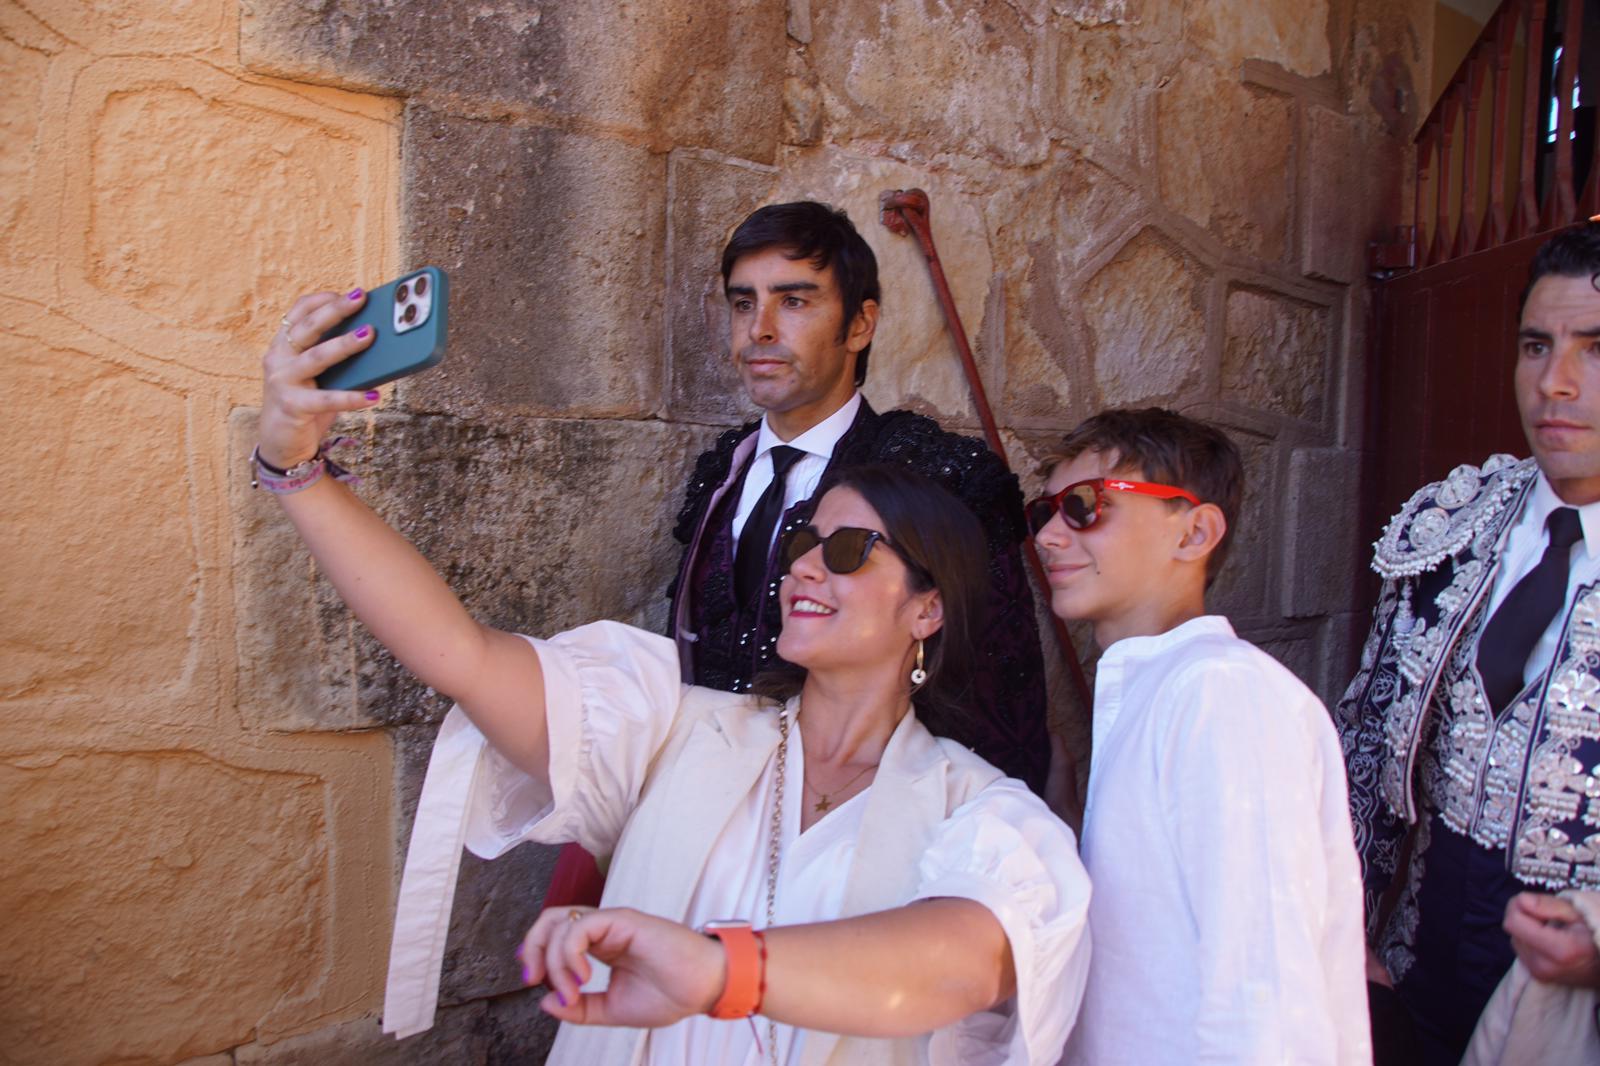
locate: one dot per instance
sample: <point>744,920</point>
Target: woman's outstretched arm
<point>390,587</point>
<point>896,973</point>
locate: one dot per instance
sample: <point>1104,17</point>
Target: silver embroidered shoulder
<point>1442,518</point>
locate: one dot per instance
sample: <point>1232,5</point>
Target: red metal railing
<point>1466,197</point>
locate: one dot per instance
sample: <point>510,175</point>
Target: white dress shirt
<point>817,443</point>
<point>1226,917</point>
<point>1525,545</point>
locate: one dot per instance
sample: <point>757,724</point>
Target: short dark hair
<point>945,541</point>
<point>1171,449</point>
<point>1572,253</point>
<point>825,237</point>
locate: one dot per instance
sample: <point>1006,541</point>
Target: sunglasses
<point>1079,504</point>
<point>844,551</point>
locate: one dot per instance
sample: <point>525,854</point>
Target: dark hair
<point>1171,449</point>
<point>1572,253</point>
<point>940,535</point>
<point>822,235</point>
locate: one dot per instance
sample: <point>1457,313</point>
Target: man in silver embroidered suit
<point>1471,731</point>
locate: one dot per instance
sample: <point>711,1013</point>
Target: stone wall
<point>207,768</point>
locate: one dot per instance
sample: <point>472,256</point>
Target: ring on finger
<point>574,914</point>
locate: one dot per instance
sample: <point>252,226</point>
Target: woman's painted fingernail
<point>527,976</point>
<point>372,394</point>
<point>562,998</point>
<point>354,294</point>
<point>364,332</point>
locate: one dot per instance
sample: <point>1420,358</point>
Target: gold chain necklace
<point>772,858</point>
<point>823,804</point>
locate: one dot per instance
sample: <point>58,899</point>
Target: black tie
<point>1525,613</point>
<point>755,541</point>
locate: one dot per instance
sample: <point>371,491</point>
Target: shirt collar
<point>1207,625</point>
<point>820,439</point>
<point>1544,500</point>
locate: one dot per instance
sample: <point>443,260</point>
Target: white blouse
<point>613,694</point>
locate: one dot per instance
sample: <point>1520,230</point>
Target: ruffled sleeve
<point>1006,850</point>
<point>611,696</point>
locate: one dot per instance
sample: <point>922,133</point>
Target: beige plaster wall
<point>173,881</point>
<point>207,769</point>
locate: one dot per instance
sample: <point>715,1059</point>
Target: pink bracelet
<point>263,475</point>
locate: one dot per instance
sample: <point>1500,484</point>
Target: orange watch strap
<point>741,995</point>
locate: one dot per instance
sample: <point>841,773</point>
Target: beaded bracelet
<point>263,475</point>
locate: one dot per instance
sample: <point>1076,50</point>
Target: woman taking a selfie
<point>814,854</point>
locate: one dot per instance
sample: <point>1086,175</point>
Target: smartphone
<point>409,315</point>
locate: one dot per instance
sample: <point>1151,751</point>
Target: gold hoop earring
<point>918,674</point>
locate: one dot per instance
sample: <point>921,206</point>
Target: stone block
<point>1043,228</point>
<point>1391,63</point>
<point>98,582</point>
<point>495,901</point>
<point>1102,62</point>
<point>127,26</point>
<point>461,1036</point>
<point>1240,589</point>
<point>178,898</point>
<point>1342,636</point>
<point>25,57</point>
<point>1322,546</point>
<point>555,274</point>
<point>703,74</point>
<point>1225,154</point>
<point>519,1032</point>
<point>707,197</point>
<point>1276,353</point>
<point>983,58</point>
<point>1332,243</point>
<point>1146,311</point>
<point>539,525</point>
<point>1297,652</point>
<point>261,194</point>
<point>1291,33</point>
<point>914,361</point>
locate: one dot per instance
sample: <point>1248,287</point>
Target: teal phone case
<point>392,355</point>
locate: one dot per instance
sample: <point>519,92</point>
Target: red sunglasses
<point>1079,504</point>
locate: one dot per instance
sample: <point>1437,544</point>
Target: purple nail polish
<point>372,394</point>
<point>527,977</point>
<point>364,332</point>
<point>562,998</point>
<point>354,294</point>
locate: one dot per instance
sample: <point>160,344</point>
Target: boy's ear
<point>1203,529</point>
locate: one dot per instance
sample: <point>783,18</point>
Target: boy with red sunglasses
<point>1226,916</point>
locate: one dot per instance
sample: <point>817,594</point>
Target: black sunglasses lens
<point>1078,507</point>
<point>1039,513</point>
<point>846,549</point>
<point>800,541</point>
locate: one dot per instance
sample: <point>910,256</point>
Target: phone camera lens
<point>403,293</point>
<point>410,314</point>
<point>420,286</point>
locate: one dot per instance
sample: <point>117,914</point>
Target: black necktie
<point>1525,613</point>
<point>755,541</point>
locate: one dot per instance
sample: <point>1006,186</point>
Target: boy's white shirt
<point>1226,915</point>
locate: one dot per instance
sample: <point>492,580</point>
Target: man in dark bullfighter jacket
<point>803,298</point>
<point>1471,732</point>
